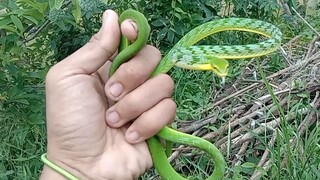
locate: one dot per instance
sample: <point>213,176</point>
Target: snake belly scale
<point>186,55</point>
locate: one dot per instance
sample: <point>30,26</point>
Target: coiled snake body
<point>201,57</point>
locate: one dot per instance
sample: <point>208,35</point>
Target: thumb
<point>89,58</point>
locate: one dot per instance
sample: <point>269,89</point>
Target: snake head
<point>219,66</point>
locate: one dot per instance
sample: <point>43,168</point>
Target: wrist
<point>55,169</point>
<point>50,174</point>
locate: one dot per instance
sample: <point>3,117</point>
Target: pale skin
<point>96,125</point>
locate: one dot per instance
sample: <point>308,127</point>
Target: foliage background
<point>35,34</point>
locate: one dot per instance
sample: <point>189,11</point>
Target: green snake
<point>201,57</point>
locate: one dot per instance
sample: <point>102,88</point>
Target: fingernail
<point>105,14</point>
<point>116,89</point>
<point>113,117</point>
<point>134,25</point>
<point>133,136</point>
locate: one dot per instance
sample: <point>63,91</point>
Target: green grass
<point>21,146</point>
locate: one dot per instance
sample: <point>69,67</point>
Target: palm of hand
<point>84,127</point>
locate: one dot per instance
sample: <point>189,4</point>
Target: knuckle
<point>52,75</point>
<point>131,105</point>
<point>168,83</point>
<point>95,42</point>
<point>155,53</point>
<point>149,128</point>
<point>127,70</point>
<point>153,128</point>
<point>171,108</point>
<point>171,104</point>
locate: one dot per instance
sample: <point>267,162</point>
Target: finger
<point>151,121</point>
<point>133,73</point>
<point>98,50</point>
<point>140,100</point>
<point>129,30</point>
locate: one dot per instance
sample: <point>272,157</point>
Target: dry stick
<point>308,121</point>
<point>233,135</point>
<point>268,96</point>
<point>224,127</point>
<point>263,161</point>
<point>44,25</point>
<point>214,134</point>
<point>176,153</point>
<point>239,156</point>
<point>290,68</point>
<point>285,7</point>
<point>245,138</point>
<point>235,94</point>
<point>236,133</point>
<point>258,174</point>
<point>311,118</point>
<point>266,152</point>
<point>242,120</point>
<point>296,38</point>
<point>198,124</point>
<point>305,21</point>
<point>312,48</point>
<point>263,126</point>
<point>238,109</point>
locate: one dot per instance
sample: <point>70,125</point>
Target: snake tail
<point>162,164</point>
<point>128,51</point>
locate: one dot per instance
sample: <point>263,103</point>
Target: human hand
<point>96,125</point>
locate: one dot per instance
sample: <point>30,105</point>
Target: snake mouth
<point>223,74</point>
<point>220,73</point>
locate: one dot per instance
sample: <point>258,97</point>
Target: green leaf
<point>303,95</point>
<point>163,32</point>
<point>4,22</point>
<point>261,170</point>
<point>22,101</point>
<point>173,4</point>
<point>58,4</point>
<point>61,25</point>
<point>76,10</point>
<point>52,4</point>
<point>55,4</point>
<point>248,165</point>
<point>179,10</point>
<point>170,36</point>
<point>32,19</point>
<point>8,28</point>
<point>7,173</point>
<point>74,24</point>
<point>35,14</point>
<point>178,16</point>
<point>35,119</point>
<point>16,21</point>
<point>157,23</point>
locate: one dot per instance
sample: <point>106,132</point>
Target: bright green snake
<point>202,57</point>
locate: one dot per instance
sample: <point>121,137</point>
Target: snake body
<point>201,57</point>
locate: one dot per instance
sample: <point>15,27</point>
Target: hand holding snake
<point>189,56</point>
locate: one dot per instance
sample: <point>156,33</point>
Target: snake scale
<point>186,55</point>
